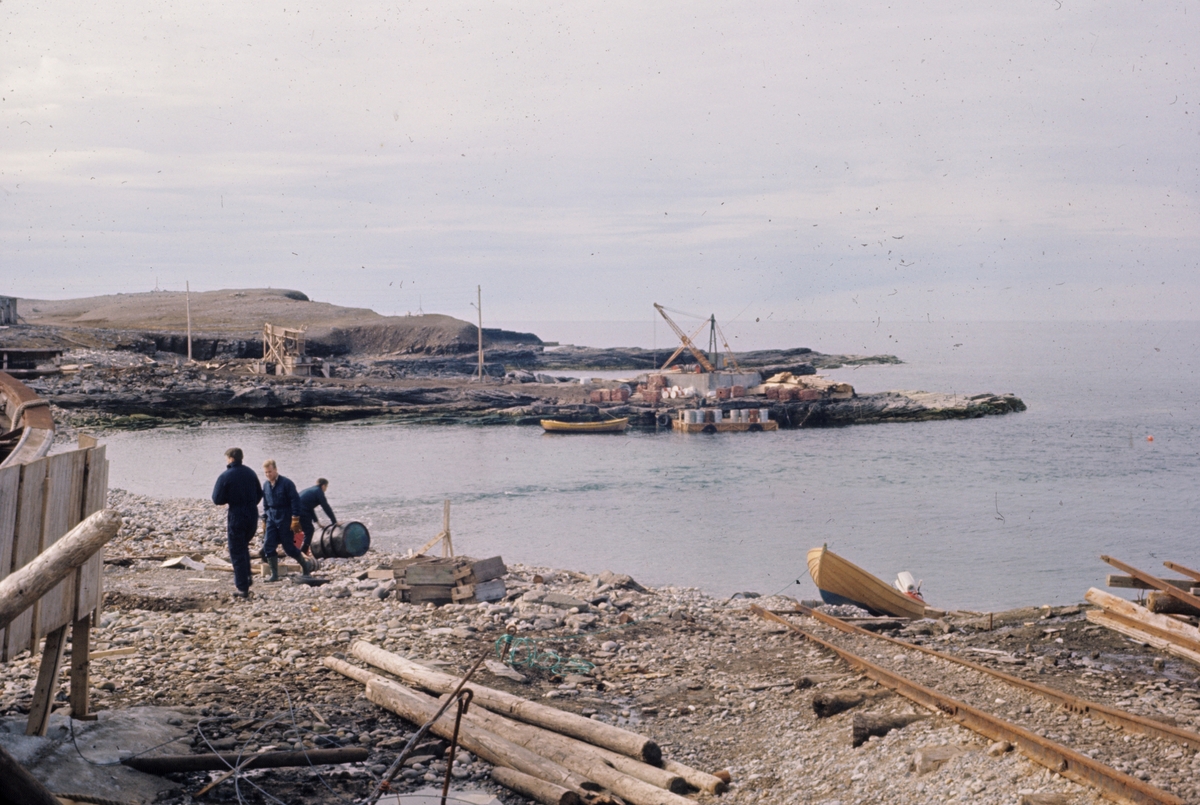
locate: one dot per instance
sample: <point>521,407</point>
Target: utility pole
<point>479,307</point>
<point>188,297</point>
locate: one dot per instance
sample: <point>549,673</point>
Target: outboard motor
<point>908,585</point>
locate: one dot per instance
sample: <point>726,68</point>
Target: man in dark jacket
<point>310,499</point>
<point>281,510</point>
<point>238,488</point>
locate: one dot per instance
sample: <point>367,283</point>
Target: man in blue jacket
<point>281,510</point>
<point>238,488</point>
<point>310,499</point>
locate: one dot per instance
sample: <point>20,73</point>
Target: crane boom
<point>687,343</point>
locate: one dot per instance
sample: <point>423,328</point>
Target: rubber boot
<point>307,565</point>
<point>273,563</point>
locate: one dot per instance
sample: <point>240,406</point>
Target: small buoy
<point>1149,438</point>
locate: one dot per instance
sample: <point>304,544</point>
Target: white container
<point>764,414</point>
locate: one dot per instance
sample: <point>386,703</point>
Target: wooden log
<point>533,788</point>
<point>24,587</point>
<point>627,778</point>
<point>866,725</point>
<point>487,745</point>
<point>585,729</point>
<point>168,764</point>
<point>1166,605</point>
<point>18,786</point>
<point>830,703</point>
<point>1180,634</point>
<point>700,780</point>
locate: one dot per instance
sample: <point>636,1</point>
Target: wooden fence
<point>40,502</point>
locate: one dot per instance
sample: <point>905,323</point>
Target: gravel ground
<point>717,687</point>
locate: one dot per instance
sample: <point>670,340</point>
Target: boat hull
<point>843,582</point>
<point>610,426</point>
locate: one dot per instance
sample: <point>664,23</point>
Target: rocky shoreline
<point>715,686</point>
<point>126,390</point>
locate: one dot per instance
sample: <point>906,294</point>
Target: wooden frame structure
<point>284,348</point>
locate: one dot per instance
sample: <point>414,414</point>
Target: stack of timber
<point>541,752</point>
<point>1165,632</point>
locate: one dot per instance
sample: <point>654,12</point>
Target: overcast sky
<point>800,160</point>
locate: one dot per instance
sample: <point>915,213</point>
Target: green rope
<point>524,651</point>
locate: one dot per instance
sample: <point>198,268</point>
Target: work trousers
<point>309,528</point>
<point>280,534</point>
<point>239,553</point>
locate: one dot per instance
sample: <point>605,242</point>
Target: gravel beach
<point>716,686</point>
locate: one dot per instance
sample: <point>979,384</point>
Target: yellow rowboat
<point>607,426</point>
<point>843,582</point>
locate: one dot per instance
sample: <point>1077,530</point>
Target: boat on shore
<point>26,424</point>
<point>840,581</point>
<point>605,426</point>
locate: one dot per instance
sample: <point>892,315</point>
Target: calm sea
<point>990,513</point>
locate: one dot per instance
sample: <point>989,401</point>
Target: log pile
<point>541,752</point>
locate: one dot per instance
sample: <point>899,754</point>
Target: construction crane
<point>687,343</point>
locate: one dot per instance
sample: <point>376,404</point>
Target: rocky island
<point>124,363</point>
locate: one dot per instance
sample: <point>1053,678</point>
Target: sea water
<point>989,513</point>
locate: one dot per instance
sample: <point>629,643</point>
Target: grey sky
<point>1007,160</point>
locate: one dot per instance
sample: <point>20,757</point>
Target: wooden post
<point>81,633</point>
<point>19,787</point>
<point>188,286</point>
<point>479,307</point>
<point>447,545</point>
<point>47,682</point>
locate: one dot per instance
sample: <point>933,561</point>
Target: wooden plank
<point>378,573</point>
<point>1130,629</point>
<point>47,683</point>
<point>113,652</point>
<point>10,486</point>
<point>1187,571</point>
<point>1131,583</point>
<point>57,606</point>
<point>89,583</point>
<point>26,545</point>
<point>1174,592</point>
<point>81,633</point>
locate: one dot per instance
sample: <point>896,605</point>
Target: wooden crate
<point>481,570</point>
<point>430,573</point>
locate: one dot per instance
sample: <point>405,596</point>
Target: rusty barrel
<point>342,541</point>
